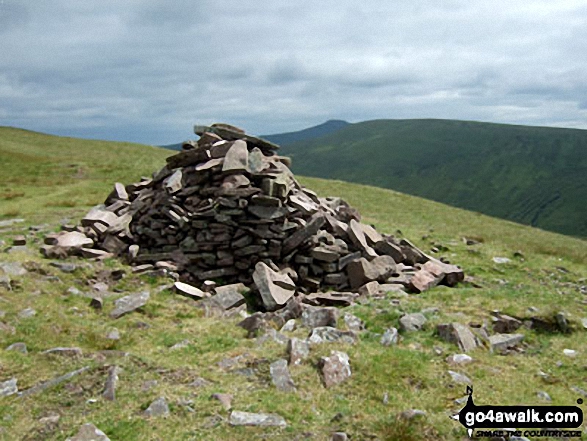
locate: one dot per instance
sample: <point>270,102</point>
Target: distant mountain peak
<point>326,128</point>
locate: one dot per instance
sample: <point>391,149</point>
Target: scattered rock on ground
<point>459,378</point>
<point>89,432</point>
<point>458,334</point>
<point>280,376</point>
<point>501,342</point>
<point>129,304</point>
<point>298,350</point>
<point>335,369</point>
<point>224,399</point>
<point>412,322</point>
<point>8,387</point>
<point>111,383</point>
<point>238,418</point>
<point>18,347</point>
<point>157,408</point>
<point>390,337</point>
<point>327,334</point>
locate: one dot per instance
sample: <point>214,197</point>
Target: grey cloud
<point>145,70</point>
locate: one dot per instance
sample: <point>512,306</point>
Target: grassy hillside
<point>532,175</point>
<point>51,178</point>
<point>326,128</point>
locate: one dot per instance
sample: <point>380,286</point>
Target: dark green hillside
<point>532,175</point>
<point>326,128</point>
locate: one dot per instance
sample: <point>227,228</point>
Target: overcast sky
<point>147,70</point>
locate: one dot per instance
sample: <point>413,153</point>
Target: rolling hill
<point>532,175</point>
<point>172,349</point>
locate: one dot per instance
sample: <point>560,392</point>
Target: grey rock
<point>361,272</point>
<point>501,260</point>
<point>8,388</point>
<point>412,322</point>
<point>111,383</point>
<point>458,334</point>
<point>339,436</point>
<point>504,324</point>
<point>113,334</point>
<point>275,288</point>
<point>543,396</point>
<point>459,359</point>
<point>357,236</point>
<point>97,303</point>
<point>173,183</point>
<point>64,266</point>
<point>335,369</point>
<point>238,418</point>
<point>224,399</point>
<point>190,291</point>
<point>280,376</point>
<point>13,269</point>
<point>74,240</point>
<point>501,342</point>
<point>89,432</point>
<point>157,408</point>
<point>272,335</point>
<point>5,282</point>
<point>64,352</point>
<point>313,317</point>
<point>370,289</point>
<point>51,383</point>
<point>236,158</point>
<point>298,350</point>
<point>27,313</point>
<point>327,334</point>
<point>353,323</point>
<point>390,337</point>
<point>10,222</point>
<point>411,414</point>
<point>18,347</point>
<point>129,304</point>
<point>230,296</point>
<point>459,378</point>
<point>289,326</point>
<point>181,345</point>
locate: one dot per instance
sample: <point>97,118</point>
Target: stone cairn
<point>228,209</point>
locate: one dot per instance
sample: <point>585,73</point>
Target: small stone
<point>353,323</point>
<point>339,436</point>
<point>281,377</point>
<point>157,408</point>
<point>412,322</point>
<point>298,350</point>
<point>238,418</point>
<point>188,290</point>
<point>289,326</point>
<point>65,352</point>
<point>570,353</point>
<point>111,382</point>
<point>501,342</point>
<point>458,334</point>
<point>19,240</point>
<point>459,359</point>
<point>8,387</point>
<point>390,337</point>
<point>459,378</point>
<point>181,345</point>
<point>335,369</point>
<point>114,334</point>
<point>543,396</point>
<point>129,304</point>
<point>89,432</point>
<point>411,414</point>
<point>327,334</point>
<point>18,347</point>
<point>501,260</point>
<point>97,303</point>
<point>13,269</point>
<point>504,324</point>
<point>27,313</point>
<point>64,266</point>
<point>230,296</point>
<point>225,400</point>
<point>313,317</point>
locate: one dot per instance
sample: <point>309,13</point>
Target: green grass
<point>413,374</point>
<point>531,175</point>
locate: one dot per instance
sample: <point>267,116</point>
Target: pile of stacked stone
<point>228,208</point>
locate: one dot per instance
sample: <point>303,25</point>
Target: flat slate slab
<point>129,303</point>
<point>238,418</point>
